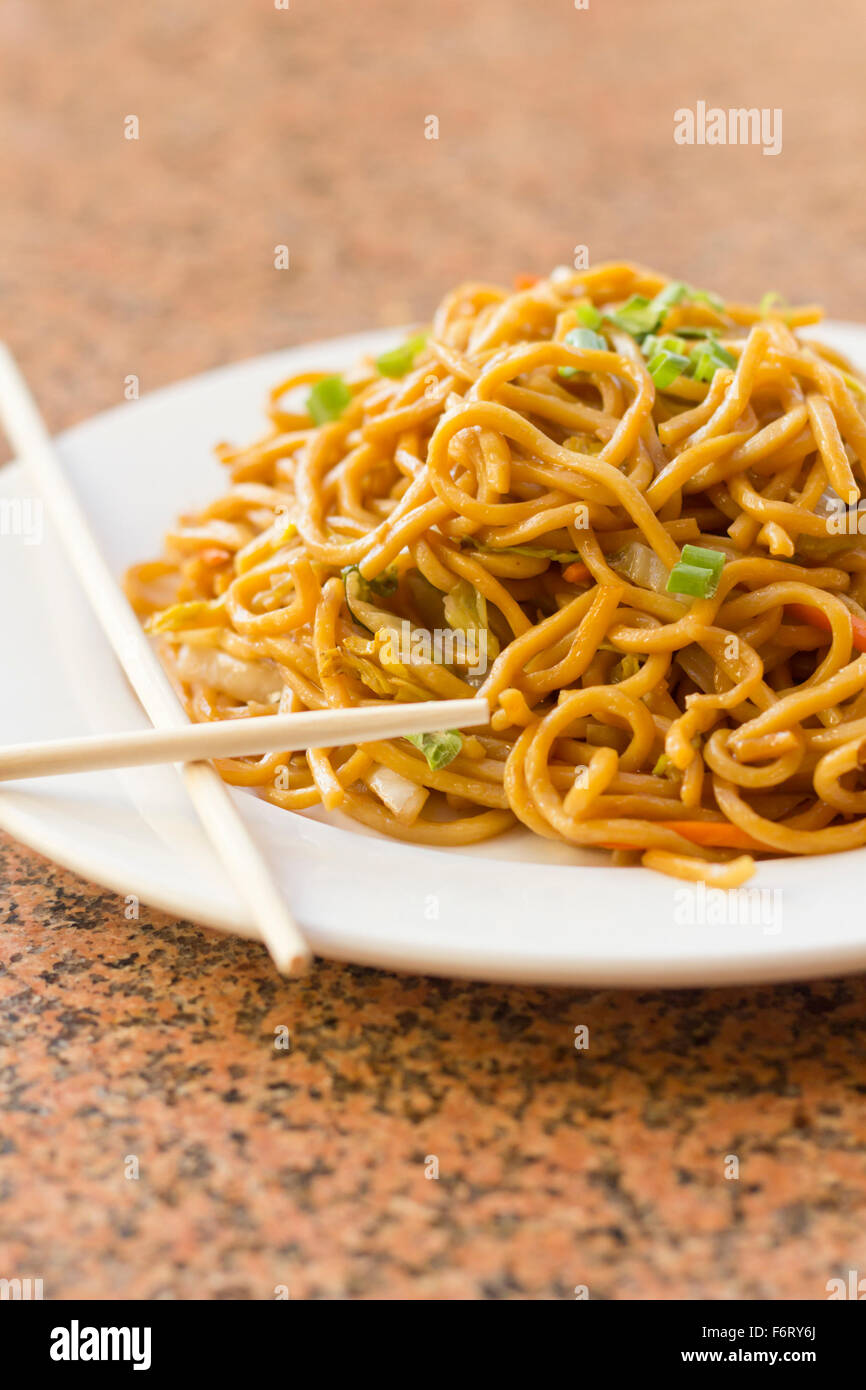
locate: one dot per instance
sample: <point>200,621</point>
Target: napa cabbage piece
<point>536,552</point>
<point>427,599</point>
<point>370,675</point>
<point>626,668</point>
<point>257,681</point>
<point>360,592</point>
<point>195,614</point>
<point>641,566</point>
<point>439,749</point>
<point>465,609</point>
<point>403,798</point>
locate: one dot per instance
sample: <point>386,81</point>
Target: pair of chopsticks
<point>172,738</point>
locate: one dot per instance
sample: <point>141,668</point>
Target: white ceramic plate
<point>516,909</point>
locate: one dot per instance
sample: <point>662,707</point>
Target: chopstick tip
<point>296,966</point>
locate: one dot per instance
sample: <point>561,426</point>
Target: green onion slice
<point>439,749</point>
<point>697,573</point>
<point>328,399</point>
<point>707,297</point>
<point>640,315</point>
<point>583,339</point>
<point>399,360</point>
<point>772,300</point>
<point>704,368</point>
<point>693,580</point>
<point>588,315</point>
<point>670,342</point>
<point>665,367</point>
<point>637,316</point>
<point>712,560</point>
<point>586,339</point>
<point>709,359</point>
<point>670,295</point>
<point>687,330</point>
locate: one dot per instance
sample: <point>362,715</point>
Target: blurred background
<point>305,127</point>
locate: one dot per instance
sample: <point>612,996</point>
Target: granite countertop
<point>153,1140</point>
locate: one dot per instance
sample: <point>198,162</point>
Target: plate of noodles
<point>622,508</point>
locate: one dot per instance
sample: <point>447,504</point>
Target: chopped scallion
<point>707,297</point>
<point>588,315</point>
<point>399,360</point>
<point>705,368</point>
<point>686,330</point>
<point>708,359</point>
<point>637,316</point>
<point>583,339</point>
<point>586,339</point>
<point>670,342</point>
<point>697,573</point>
<point>328,399</point>
<point>712,560</point>
<point>640,315</point>
<point>665,367</point>
<point>770,301</point>
<point>693,580</point>
<point>670,295</point>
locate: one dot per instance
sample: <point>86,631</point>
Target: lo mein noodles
<point>623,510</point>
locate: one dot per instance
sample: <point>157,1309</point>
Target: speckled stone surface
<point>149,1045</point>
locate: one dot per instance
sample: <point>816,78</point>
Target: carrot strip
<point>576,573</point>
<point>713,834</point>
<point>214,556</point>
<point>815,617</point>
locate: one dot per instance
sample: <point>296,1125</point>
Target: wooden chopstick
<point>227,830</point>
<point>235,738</point>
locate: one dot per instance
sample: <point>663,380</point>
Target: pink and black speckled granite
<point>260,1168</point>
<point>306,1168</point>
